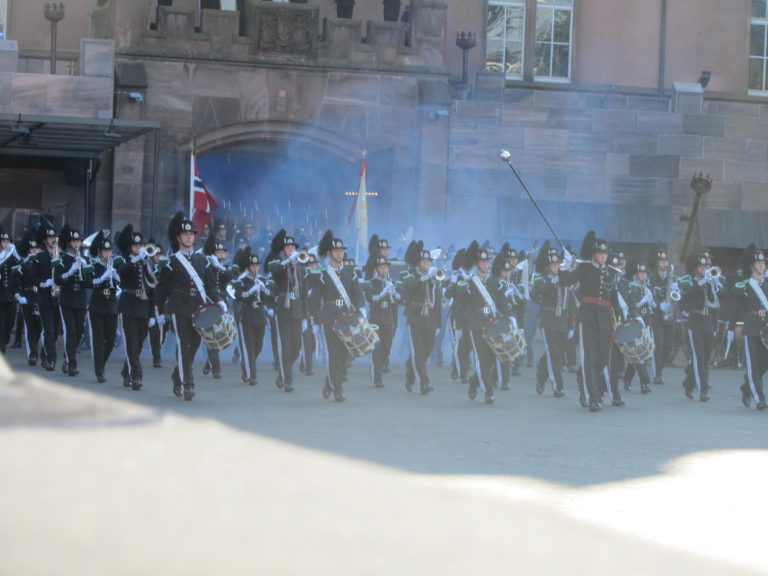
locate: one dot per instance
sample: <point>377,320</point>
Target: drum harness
<point>187,264</point>
<point>755,285</point>
<point>334,276</point>
<point>484,293</point>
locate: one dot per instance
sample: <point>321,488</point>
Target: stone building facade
<point>618,140</point>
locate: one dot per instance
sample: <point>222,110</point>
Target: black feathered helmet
<point>245,258</point>
<point>178,225</point>
<point>67,235</point>
<point>547,255</point>
<point>500,265</point>
<point>751,255</point>
<point>328,243</point>
<point>99,243</point>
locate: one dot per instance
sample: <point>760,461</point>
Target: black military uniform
<point>642,306</point>
<point>662,282</point>
<point>516,278</point>
<point>102,308</point>
<point>135,306</point>
<point>423,307</point>
<point>180,292</point>
<point>595,318</point>
<point>700,300</point>
<point>9,259</point>
<point>291,306</point>
<point>27,296</point>
<point>554,320</point>
<point>223,276</point>
<point>157,330</point>
<point>47,297</point>
<point>335,293</point>
<point>456,292</point>
<point>752,310</point>
<point>382,297</point>
<point>507,297</point>
<point>73,277</point>
<point>479,310</point>
<point>308,334</point>
<point>253,295</point>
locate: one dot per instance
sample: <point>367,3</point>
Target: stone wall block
<point>681,144</point>
<point>615,120</point>
<point>654,166</point>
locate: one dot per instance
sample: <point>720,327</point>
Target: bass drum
<point>359,337</point>
<point>504,337</point>
<point>216,328</point>
<point>634,341</point>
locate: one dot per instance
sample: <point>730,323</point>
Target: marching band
<point>624,320</point>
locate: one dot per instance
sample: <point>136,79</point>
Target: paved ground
<point>689,475</point>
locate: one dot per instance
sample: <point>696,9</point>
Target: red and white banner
<point>202,203</point>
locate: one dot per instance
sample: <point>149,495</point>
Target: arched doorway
<point>289,176</point>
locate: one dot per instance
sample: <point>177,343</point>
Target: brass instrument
<point>440,275</point>
<point>713,272</point>
<point>151,250</point>
<point>303,257</point>
<point>55,256</point>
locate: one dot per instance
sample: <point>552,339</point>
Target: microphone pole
<point>506,156</point>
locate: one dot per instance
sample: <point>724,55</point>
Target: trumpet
<point>303,257</point>
<point>674,295</point>
<point>151,250</point>
<point>440,275</point>
<point>713,272</point>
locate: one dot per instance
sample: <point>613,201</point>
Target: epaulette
<point>685,280</point>
<point>235,269</point>
<point>364,284</point>
<point>463,285</point>
<point>17,269</point>
<point>31,258</point>
<point>56,263</point>
<point>164,262</point>
<point>273,265</point>
<point>742,284</point>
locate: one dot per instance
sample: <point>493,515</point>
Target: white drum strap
<point>759,293</point>
<point>484,293</point>
<point>192,274</point>
<point>339,287</point>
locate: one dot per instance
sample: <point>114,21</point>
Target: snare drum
<point>634,341</point>
<point>358,336</point>
<point>504,337</point>
<point>216,328</point>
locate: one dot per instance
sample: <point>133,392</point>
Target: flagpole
<point>191,181</point>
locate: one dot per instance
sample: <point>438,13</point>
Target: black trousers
<point>32,330</point>
<point>103,334</point>
<point>422,340</point>
<point>485,363</point>
<point>664,343</point>
<point>188,341</point>
<point>251,340</point>
<point>73,324</point>
<point>380,354</point>
<point>617,367</point>
<point>594,349</point>
<point>213,361</point>
<point>337,357</point>
<point>310,345</point>
<point>641,370</point>
<point>50,321</point>
<point>7,319</point>
<point>290,343</point>
<point>135,333</point>
<point>463,353</point>
<point>550,366</point>
<point>697,370</point>
<point>756,361</point>
<point>275,342</point>
<point>156,343</point>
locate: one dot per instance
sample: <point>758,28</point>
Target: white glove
<point>729,336</point>
<point>570,334</point>
<point>454,277</point>
<point>555,279</point>
<point>142,253</point>
<point>304,325</point>
<point>47,284</point>
<point>151,322</point>
<point>270,312</point>
<point>316,330</point>
<point>20,299</point>
<point>362,312</point>
<point>252,290</point>
<point>437,332</point>
<point>72,269</point>
<point>674,287</point>
<point>510,292</point>
<point>160,319</point>
<point>294,257</point>
<point>567,259</point>
<point>223,306</point>
<point>664,306</point>
<point>115,275</point>
<point>639,320</point>
<point>261,287</point>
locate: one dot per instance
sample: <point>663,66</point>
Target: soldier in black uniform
<point>381,247</point>
<point>291,306</point>
<point>157,330</point>
<point>595,317</point>
<point>479,310</point>
<point>516,278</point>
<point>311,330</point>
<point>254,296</point>
<point>456,292</point>
<point>8,288</point>
<point>662,281</point>
<point>27,296</point>
<point>135,306</point>
<point>382,296</point>
<point>701,291</point>
<point>216,251</point>
<point>334,293</point>
<point>102,309</point>
<point>554,319</point>
<point>47,293</point>
<point>507,297</point>
<point>186,282</point>
<point>423,307</point>
<point>752,310</point>
<point>641,304</point>
<point>72,277</point>
<point>616,368</point>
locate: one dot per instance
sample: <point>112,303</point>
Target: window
<point>758,33</point>
<point>510,38</point>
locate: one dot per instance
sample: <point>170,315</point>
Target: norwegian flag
<point>203,203</point>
